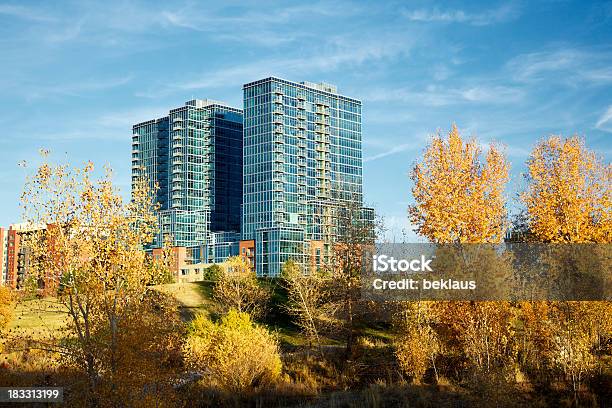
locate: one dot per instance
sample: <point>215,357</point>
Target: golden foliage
<point>238,288</point>
<point>92,252</point>
<point>569,193</point>
<point>458,197</point>
<point>6,307</point>
<point>418,344</point>
<point>234,354</point>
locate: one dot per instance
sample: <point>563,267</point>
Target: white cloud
<point>73,88</point>
<point>24,13</point>
<point>570,65</point>
<point>605,121</point>
<point>504,13</point>
<point>394,150</point>
<point>336,53</point>
<point>437,95</point>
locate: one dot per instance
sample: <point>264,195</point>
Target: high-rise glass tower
<point>194,156</point>
<point>302,161</point>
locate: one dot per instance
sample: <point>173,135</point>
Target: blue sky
<point>74,76</point>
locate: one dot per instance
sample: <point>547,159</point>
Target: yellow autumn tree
<point>568,201</point>
<point>459,199</point>
<point>238,288</point>
<point>6,311</point>
<point>458,196</point>
<point>122,336</point>
<point>568,198</point>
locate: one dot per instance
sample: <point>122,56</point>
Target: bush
<point>6,307</point>
<point>235,355</point>
<point>213,273</point>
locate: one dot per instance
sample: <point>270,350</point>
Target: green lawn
<point>193,298</point>
<point>37,318</point>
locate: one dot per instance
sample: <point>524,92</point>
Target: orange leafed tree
<point>568,197</point>
<point>459,197</point>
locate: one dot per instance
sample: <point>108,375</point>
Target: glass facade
<point>194,155</point>
<point>302,160</point>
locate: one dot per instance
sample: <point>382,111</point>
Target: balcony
<point>320,120</point>
<point>177,170</point>
<point>279,150</point>
<point>279,110</point>
<point>177,162</point>
<point>279,217</point>
<point>301,153</point>
<point>177,128</point>
<point>301,97</point>
<point>279,169</point>
<point>321,129</point>
<point>279,208</point>
<point>279,91</point>
<point>279,159</point>
<point>301,144</point>
<point>302,163</point>
<point>278,139</point>
<point>177,179</point>
<point>279,129</point>
<point>177,196</point>
<point>178,145</point>
<point>301,125</point>
<point>135,167</point>
<point>278,120</point>
<point>301,116</point>
<point>177,137</point>
<point>136,151</point>
<point>278,100</point>
<point>135,143</point>
<point>177,188</point>
<point>301,135</point>
<point>177,153</point>
<point>322,111</point>
<point>278,187</point>
<point>175,120</point>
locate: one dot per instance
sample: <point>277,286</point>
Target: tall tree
<point>238,288</point>
<point>92,249</point>
<point>568,198</point>
<point>306,295</point>
<point>459,198</point>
